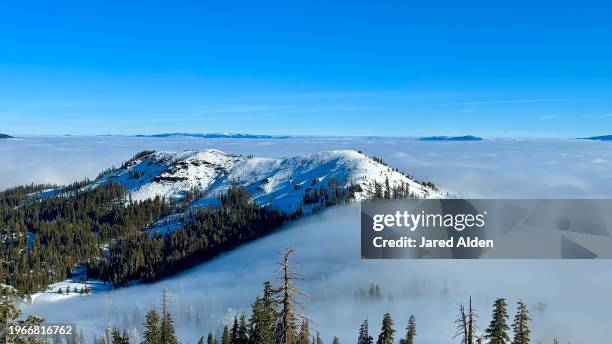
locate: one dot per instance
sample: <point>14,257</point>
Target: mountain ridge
<point>279,182</point>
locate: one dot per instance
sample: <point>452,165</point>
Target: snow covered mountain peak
<point>279,182</point>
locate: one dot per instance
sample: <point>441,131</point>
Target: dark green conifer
<point>243,330</point>
<point>410,331</point>
<point>225,337</point>
<point>520,326</point>
<point>166,331</point>
<point>364,337</point>
<point>304,336</point>
<point>151,328</point>
<point>210,339</point>
<point>387,331</point>
<point>264,317</point>
<point>497,333</point>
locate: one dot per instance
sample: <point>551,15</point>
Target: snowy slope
<point>68,289</point>
<point>280,183</point>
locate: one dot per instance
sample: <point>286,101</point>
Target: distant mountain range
<point>256,136</point>
<point>451,138</point>
<point>217,136</point>
<point>598,138</point>
<point>4,136</point>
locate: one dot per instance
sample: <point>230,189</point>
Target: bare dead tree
<point>471,319</point>
<point>466,325</point>
<point>462,325</point>
<point>288,294</point>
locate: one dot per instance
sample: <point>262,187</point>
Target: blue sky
<point>503,68</point>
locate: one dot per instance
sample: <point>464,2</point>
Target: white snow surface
<point>68,289</point>
<point>7,287</point>
<point>279,182</point>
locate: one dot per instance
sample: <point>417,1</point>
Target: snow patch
<point>69,289</point>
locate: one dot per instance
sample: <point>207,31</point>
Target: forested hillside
<point>41,241</point>
<point>47,231</point>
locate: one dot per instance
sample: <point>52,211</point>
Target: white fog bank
<point>568,299</point>
<point>563,296</point>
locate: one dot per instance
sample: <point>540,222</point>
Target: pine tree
<point>151,325</point>
<point>410,331</point>
<point>555,340</point>
<point>378,191</point>
<point>201,340</point>
<point>125,338</point>
<point>497,333</point>
<point>520,326</point>
<point>225,337</point>
<point>108,334</point>
<point>318,339</point>
<point>234,334</point>
<point>243,336</point>
<point>210,339</point>
<point>304,336</point>
<point>116,337</point>
<point>119,338</point>
<point>287,294</point>
<point>336,340</point>
<point>166,330</point>
<point>8,313</point>
<point>364,337</point>
<point>387,331</point>
<point>387,194</point>
<point>264,317</point>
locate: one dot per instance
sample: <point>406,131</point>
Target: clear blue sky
<point>385,67</point>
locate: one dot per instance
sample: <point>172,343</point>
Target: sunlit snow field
<point>563,295</point>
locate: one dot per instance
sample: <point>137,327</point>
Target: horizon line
<point>252,136</point>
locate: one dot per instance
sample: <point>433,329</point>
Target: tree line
<point>277,317</point>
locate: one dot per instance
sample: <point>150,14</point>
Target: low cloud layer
<point>488,169</point>
<point>562,295</point>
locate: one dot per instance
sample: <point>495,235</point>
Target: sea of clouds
<point>501,168</point>
<point>563,296</point>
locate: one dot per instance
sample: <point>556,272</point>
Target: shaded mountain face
<point>4,136</point>
<point>281,183</point>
